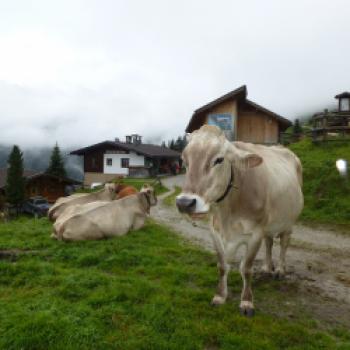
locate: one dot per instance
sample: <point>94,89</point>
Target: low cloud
<point>86,72</point>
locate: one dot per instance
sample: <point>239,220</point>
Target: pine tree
<point>56,166</point>
<point>15,181</point>
<point>178,144</point>
<point>297,128</point>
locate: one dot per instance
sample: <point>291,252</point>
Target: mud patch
<point>13,254</point>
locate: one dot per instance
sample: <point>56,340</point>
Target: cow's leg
<point>284,242</point>
<point>246,306</point>
<point>224,268</point>
<point>268,265</point>
<point>221,294</point>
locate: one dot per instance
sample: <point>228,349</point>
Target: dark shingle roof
<point>343,94</point>
<point>3,175</point>
<point>31,174</point>
<point>149,150</point>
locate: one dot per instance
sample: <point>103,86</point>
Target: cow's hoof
<point>278,275</point>
<point>53,236</point>
<point>247,309</point>
<point>267,270</point>
<point>218,300</point>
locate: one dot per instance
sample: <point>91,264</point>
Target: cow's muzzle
<point>185,204</point>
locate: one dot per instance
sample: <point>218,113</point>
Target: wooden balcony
<point>331,126</point>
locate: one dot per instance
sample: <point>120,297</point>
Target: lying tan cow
<point>106,194</point>
<point>252,193</point>
<point>79,208</point>
<point>106,219</point>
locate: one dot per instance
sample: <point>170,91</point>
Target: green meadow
<point>146,290</point>
<point>326,192</point>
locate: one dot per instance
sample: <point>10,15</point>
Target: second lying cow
<point>106,194</point>
<point>106,219</point>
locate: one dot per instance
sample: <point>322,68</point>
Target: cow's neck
<point>228,188</point>
<point>145,202</point>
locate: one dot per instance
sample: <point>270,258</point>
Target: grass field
<point>147,290</point>
<point>327,194</point>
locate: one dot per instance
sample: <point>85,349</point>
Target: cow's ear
<point>252,160</point>
<point>246,160</point>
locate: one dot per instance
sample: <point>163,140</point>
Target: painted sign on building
<point>224,121</point>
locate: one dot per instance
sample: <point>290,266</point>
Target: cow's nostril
<point>185,204</point>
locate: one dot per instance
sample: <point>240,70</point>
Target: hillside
<point>327,194</point>
<point>38,159</point>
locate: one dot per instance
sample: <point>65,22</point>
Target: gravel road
<point>318,258</point>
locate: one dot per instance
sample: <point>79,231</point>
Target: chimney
<point>136,139</point>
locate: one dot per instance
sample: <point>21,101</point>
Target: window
<point>125,162</point>
<point>109,161</point>
<point>93,162</point>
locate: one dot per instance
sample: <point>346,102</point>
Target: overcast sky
<point>80,72</point>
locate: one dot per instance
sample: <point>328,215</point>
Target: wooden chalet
<point>333,125</point>
<point>107,160</point>
<point>241,119</point>
<point>41,184</point>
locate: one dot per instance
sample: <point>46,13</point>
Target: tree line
<point>176,144</point>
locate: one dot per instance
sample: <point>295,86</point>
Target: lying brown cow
<point>107,219</point>
<point>123,190</point>
<point>251,192</point>
<point>106,194</point>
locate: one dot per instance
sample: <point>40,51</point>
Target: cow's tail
<point>299,169</point>
<point>50,214</point>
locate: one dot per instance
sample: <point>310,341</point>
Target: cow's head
<point>150,193</point>
<point>211,162</point>
<point>110,188</point>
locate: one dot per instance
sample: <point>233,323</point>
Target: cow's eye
<point>218,160</point>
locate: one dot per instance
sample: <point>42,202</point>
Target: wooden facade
<point>250,121</point>
<point>47,187</point>
<point>93,161</point>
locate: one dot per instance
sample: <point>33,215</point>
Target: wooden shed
<point>41,184</point>
<point>240,118</point>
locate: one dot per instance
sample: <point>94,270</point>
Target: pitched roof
<point>239,94</point>
<point>148,150</point>
<point>281,119</point>
<point>31,174</point>
<point>343,94</point>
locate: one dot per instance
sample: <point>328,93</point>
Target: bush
<point>327,193</point>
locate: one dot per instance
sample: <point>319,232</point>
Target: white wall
<point>134,159</point>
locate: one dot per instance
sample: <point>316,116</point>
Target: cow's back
<point>110,219</point>
<point>275,185</point>
<point>58,209</point>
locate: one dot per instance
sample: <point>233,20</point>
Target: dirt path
<point>318,258</point>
